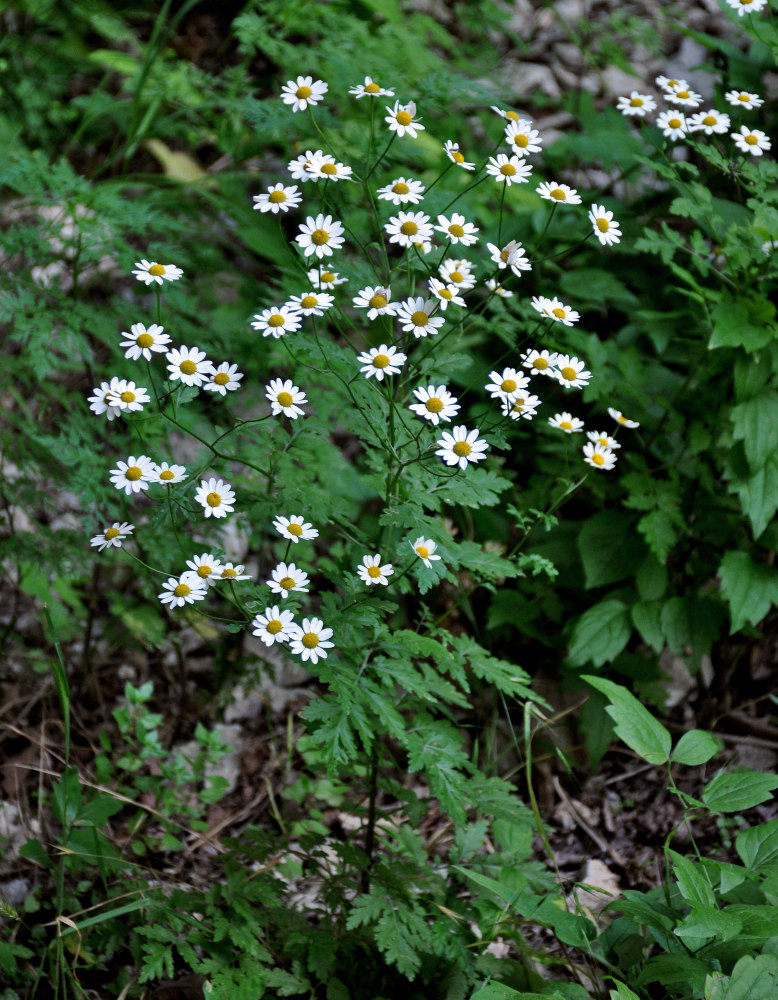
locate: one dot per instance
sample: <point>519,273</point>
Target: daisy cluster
<point>687,113</point>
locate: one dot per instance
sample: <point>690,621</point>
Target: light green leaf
<point>755,423</point>
<point>743,323</point>
<point>753,978</point>
<point>758,494</point>
<point>758,845</point>
<point>623,992</point>
<point>646,617</point>
<point>635,725</point>
<point>692,880</point>
<point>600,634</point>
<point>695,747</point>
<point>750,588</point>
<point>738,790</point>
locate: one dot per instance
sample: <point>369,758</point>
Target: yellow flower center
<point>276,320</point>
<point>558,194</point>
<point>743,97</point>
<point>274,626</point>
<point>456,277</point>
<point>182,590</point>
<point>521,140</point>
<point>377,301</point>
<point>559,313</point>
<point>372,88</point>
<point>204,571</point>
<point>674,123</point>
<point>709,120</point>
<point>507,170</point>
<point>444,293</point>
<point>227,572</point>
<point>329,168</point>
<point>295,528</point>
<point>597,458</point>
<point>111,533</point>
<point>751,140</point>
<point>327,276</point>
<point>309,301</point>
<point>603,225</point>
<point>303,93</point>
<point>409,228</point>
<point>569,373</point>
<point>423,551</point>
<point>284,399</point>
<point>156,270</point>
<point>565,425</point>
<point>310,640</point>
<point>276,197</point>
<point>380,361</point>
<point>540,364</point>
<point>144,340</point>
<point>403,118</point>
<point>457,157</point>
<point>167,474</point>
<point>133,473</point>
<point>213,499</point>
<point>508,385</point>
<point>504,255</point>
<point>400,188</point>
<point>419,318</point>
<point>188,367</point>
<point>286,582</point>
<point>636,102</point>
<point>374,571</point>
<point>127,396</point>
<point>320,237</point>
<point>683,94</point>
<point>603,441</point>
<point>461,448</point>
<point>434,405</point>
<point>622,419</point>
<point>221,378</point>
<point>456,230</point>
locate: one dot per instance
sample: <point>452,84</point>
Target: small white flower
<point>302,92</point>
<point>599,457</point>
<point>512,255</point>
<point>493,286</point>
<point>278,199</point>
<point>320,235</point>
<point>150,272</point>
<point>604,226</point>
<point>673,124</point>
<point>295,528</point>
<point>558,193</point>
<point>751,141</point>
<point>141,342</point>
<point>329,170</point>
<point>669,84</point>
<point>377,301</point>
<point>458,272</point>
<point>768,246</point>
<point>277,321</point>
<point>216,497</point>
<point>285,398</point>
<point>325,279</point>
<point>189,365</point>
<point>309,640</point>
<point>710,122</point>
<point>409,228</point>
<point>128,397</point>
<point>540,362</point>
<point>372,572</point>
<point>508,169</point>
<point>226,378</point>
<point>273,625</point>
<point>233,573</point>
<point>206,566</point>
<point>113,536</point>
<point>461,447</point>
<point>103,400</point>
<point>453,153</point>
<point>287,578</point>
<point>571,372</point>
<point>522,405</point>
<point>425,550</point>
<point>304,167</point>
<point>744,7</point>
<point>554,309</point>
<point>603,438</point>
<point>435,404</point>
<point>181,590</point>
<point>511,116</point>
<point>400,119</point>
<point>506,384</point>
<point>169,475</point>
<point>370,89</point>
<point>457,230</point>
<point>619,417</point>
<point>446,294</point>
<point>402,191</point>
<point>311,303</point>
<point>522,137</point>
<point>134,475</point>
<point>415,316</point>
<point>636,104</point>
<point>566,422</point>
<point>381,361</point>
<point>743,99</point>
<point>685,97</point>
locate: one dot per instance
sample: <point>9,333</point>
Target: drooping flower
<point>216,497</point>
<point>113,536</point>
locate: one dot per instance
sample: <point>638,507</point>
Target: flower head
<point>604,226</point>
<point>233,573</point>
<point>134,475</point>
<point>497,289</point>
<point>381,361</point>
<point>320,235</point>
<point>558,193</point>
<point>311,303</point>
<point>636,104</point>
<point>285,398</point>
<point>710,122</point>
<point>743,99</point>
<point>751,141</point>
<point>400,119</point>
<point>670,84</point>
<point>277,321</point>
<point>512,255</point>
<point>461,447</point>
<point>540,362</point>
<point>425,550</point>
<point>377,300</point>
<point>309,640</point>
<point>619,417</point>
<point>169,475</point>
<point>142,342</point>
<point>181,590</point>
<point>571,372</point>
<point>445,294</point>
<point>372,572</point>
<point>295,528</point>
<point>673,124</point>
<point>150,272</point>
<point>603,438</point>
<point>206,566</point>
<point>523,404</point>
<point>415,316</point>
<point>453,153</point>
<point>303,91</point>
<point>305,166</point>
<point>189,365</point>
<point>286,578</point>
<point>370,89</point>
<point>113,536</point>
<point>457,230</point>
<point>278,199</point>
<point>522,137</point>
<point>554,309</point>
<point>327,169</point>
<point>103,400</point>
<point>506,384</point>
<point>458,272</point>
<point>436,403</point>
<point>225,378</point>
<point>566,422</point>
<point>402,191</point>
<point>409,228</point>
<point>216,497</point>
<point>744,7</point>
<point>321,278</point>
<point>599,457</point>
<point>272,626</point>
<point>683,96</point>
<point>127,397</point>
<point>508,169</point>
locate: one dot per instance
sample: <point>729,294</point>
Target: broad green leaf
<point>750,588</point>
<point>692,880</point>
<point>646,617</point>
<point>497,991</point>
<point>609,548</point>
<point>758,493</point>
<point>706,922</point>
<point>691,623</point>
<point>651,578</point>
<point>695,747</point>
<point>753,978</point>
<point>635,725</point>
<point>623,992</point>
<point>755,422</point>
<point>600,634</point>
<point>738,790</point>
<point>758,845</point>
<point>743,323</point>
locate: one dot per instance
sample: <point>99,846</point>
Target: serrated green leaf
<point>646,617</point>
<point>750,588</point>
<point>747,323</point>
<point>758,493</point>
<point>754,977</point>
<point>692,880</point>
<point>691,624</point>
<point>609,548</point>
<point>600,634</point>
<point>635,725</point>
<point>738,790</point>
<point>758,845</point>
<point>755,423</point>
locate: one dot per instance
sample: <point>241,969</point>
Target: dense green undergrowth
<point>124,148</point>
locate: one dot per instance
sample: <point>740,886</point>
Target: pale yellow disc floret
<point>294,529</point>
<point>303,93</point>
<point>521,140</point>
<point>598,459</point>
<point>204,571</point>
<point>133,473</point>
<point>374,571</point>
<point>274,626</point>
<point>565,425</point>
<point>188,367</point>
<point>423,551</point>
<point>308,301</point>
<point>182,590</point>
<point>461,448</point>
<point>372,88</point>
<point>166,474</point>
<point>284,399</point>
<point>559,313</point>
<point>419,318</point>
<point>568,373</point>
<point>403,118</point>
<point>221,378</point>
<point>213,499</point>
<point>320,237</point>
<point>377,301</point>
<point>157,270</point>
<point>380,361</point>
<point>277,197</point>
<point>111,533</point>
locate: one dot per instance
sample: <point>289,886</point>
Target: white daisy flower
<point>508,169</point>
<point>233,573</point>
<point>743,99</point>
<point>302,167</point>
<point>273,625</point>
<point>566,422</point>
<point>710,122</point>
<point>400,119</point>
<point>453,153</point>
<point>370,89</point>
<point>278,199</point>
<point>285,398</point>
<point>458,272</point>
<point>744,7</point>
<point>522,137</point>
<point>216,497</point>
<point>540,362</point>
<point>329,170</point>
<point>402,191</point>
<point>493,285</point>
<point>605,227</point>
<point>425,550</point>
<point>521,405</point>
<point>277,321</point>
<point>377,300</point>
<point>150,272</point>
<point>636,104</point>
<point>103,400</point>
<point>189,365</point>
<point>415,316</point>
<point>461,447</point>
<point>751,141</point>
<point>619,417</point>
<point>558,193</point>
<point>673,124</point>
<point>512,116</point>
<point>599,457</point>
<point>181,590</point>
<point>603,438</point>
<point>457,230</point>
<point>685,97</point>
<point>320,235</point>
<point>206,566</point>
<point>768,246</point>
<point>373,573</point>
<point>667,83</point>
<point>512,255</point>
<point>226,378</point>
<point>113,536</point>
<point>309,640</point>
<point>295,528</point>
<point>311,303</point>
<point>287,578</point>
<point>409,228</point>
<point>134,475</point>
<point>436,403</point>
<point>554,309</point>
<point>571,372</point>
<point>128,397</point>
<point>506,384</point>
<point>302,92</point>
<point>325,279</point>
<point>445,294</point>
<point>142,341</point>
<point>169,475</point>
<point>381,361</point>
